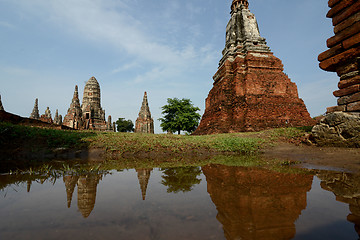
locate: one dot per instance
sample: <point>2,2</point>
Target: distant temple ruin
<point>250,91</point>
<point>35,112</point>
<point>88,115</point>
<point>144,123</point>
<point>47,116</point>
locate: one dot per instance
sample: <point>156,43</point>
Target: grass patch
<point>288,133</point>
<point>129,142</point>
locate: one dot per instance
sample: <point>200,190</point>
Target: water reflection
<point>257,203</point>
<point>143,175</point>
<point>209,202</point>
<point>180,178</point>
<point>346,187</point>
<point>86,193</point>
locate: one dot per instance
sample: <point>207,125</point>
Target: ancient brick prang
<point>57,118</point>
<point>144,123</point>
<point>250,92</point>
<point>343,57</point>
<point>88,115</point>
<point>35,112</point>
<point>92,113</point>
<point>73,118</point>
<point>47,116</point>
<point>1,106</point>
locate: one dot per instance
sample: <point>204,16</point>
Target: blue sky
<point>167,48</point>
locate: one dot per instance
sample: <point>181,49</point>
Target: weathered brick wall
<point>343,56</point>
<point>15,119</point>
<point>252,94</point>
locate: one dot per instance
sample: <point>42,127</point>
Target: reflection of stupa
<point>70,183</point>
<point>256,203</point>
<point>143,176</point>
<point>86,191</point>
<point>346,188</point>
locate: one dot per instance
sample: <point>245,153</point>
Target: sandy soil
<point>329,158</point>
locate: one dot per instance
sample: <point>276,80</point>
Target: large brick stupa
<point>250,91</point>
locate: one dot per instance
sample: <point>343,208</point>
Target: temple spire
<point>35,111</point>
<point>144,123</point>
<point>242,32</point>
<point>73,117</point>
<point>238,4</point>
<point>75,100</point>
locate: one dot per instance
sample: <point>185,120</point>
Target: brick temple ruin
<point>88,115</point>
<point>341,125</point>
<point>250,90</point>
<point>144,123</point>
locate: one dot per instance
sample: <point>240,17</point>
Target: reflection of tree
<point>180,178</point>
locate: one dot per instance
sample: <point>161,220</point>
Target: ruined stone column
<point>109,124</point>
<point>341,125</point>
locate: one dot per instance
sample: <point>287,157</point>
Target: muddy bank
<point>331,158</point>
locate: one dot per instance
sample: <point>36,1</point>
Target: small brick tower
<point>35,112</point>
<point>250,91</point>
<point>73,118</point>
<point>144,123</point>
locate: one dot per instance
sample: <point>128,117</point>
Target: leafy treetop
<point>124,125</point>
<point>179,115</point>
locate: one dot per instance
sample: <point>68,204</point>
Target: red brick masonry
<point>343,56</point>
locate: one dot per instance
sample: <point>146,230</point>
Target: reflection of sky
<point>120,212</point>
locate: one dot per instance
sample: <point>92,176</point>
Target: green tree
<point>180,178</point>
<point>179,115</point>
<point>123,125</point>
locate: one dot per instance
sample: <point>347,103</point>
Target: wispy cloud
<point>109,23</point>
<point>125,67</point>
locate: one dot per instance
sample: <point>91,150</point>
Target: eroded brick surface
<point>251,92</point>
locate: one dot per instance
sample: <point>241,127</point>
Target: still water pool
<point>208,202</point>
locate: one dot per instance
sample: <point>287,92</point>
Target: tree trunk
<point>179,132</point>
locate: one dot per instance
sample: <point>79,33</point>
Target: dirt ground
<point>313,157</point>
